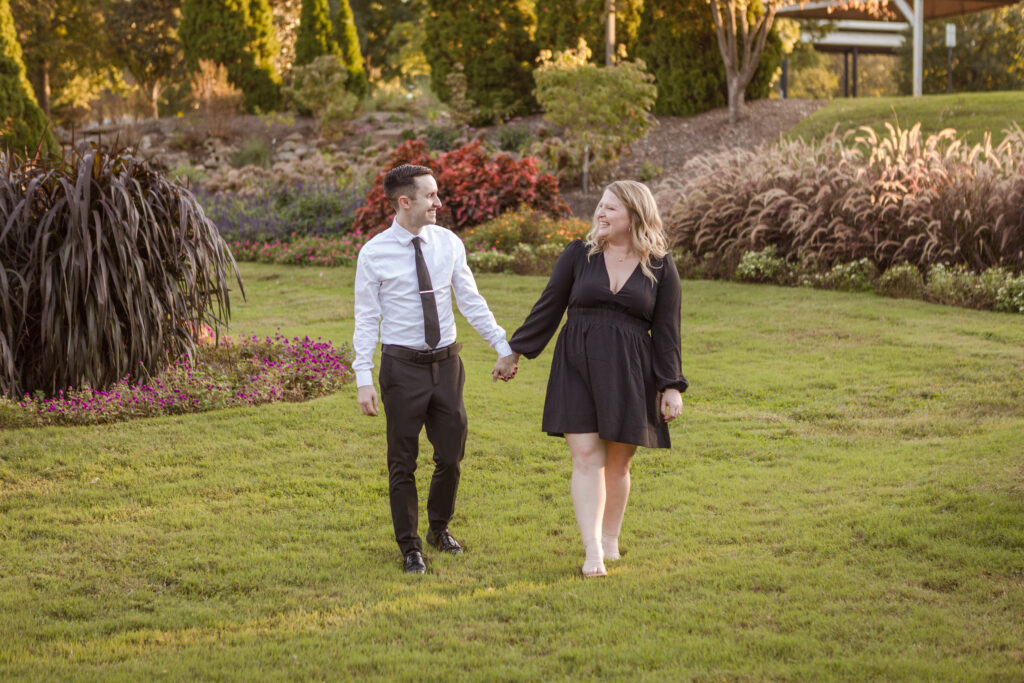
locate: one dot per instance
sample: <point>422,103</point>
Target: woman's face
<point>612,218</point>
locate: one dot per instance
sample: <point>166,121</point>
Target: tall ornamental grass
<point>898,198</point>
<point>108,269</point>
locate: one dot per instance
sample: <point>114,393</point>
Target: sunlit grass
<point>843,500</point>
<point>970,114</point>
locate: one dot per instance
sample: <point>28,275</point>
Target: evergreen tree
<point>677,41</point>
<point>23,126</point>
<point>347,38</point>
<point>316,34</point>
<point>561,23</point>
<point>492,41</point>
<point>388,31</point>
<point>240,35</point>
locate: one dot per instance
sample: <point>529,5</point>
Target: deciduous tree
<point>143,38</point>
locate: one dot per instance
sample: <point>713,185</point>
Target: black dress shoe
<point>444,542</point>
<point>414,563</point>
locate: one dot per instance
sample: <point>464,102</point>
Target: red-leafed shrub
<point>474,187</point>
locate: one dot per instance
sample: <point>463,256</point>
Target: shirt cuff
<point>503,349</point>
<point>364,378</point>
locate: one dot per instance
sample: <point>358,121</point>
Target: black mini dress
<point>616,352</point>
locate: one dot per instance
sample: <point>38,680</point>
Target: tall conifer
<point>23,126</point>
<point>493,41</point>
<point>347,38</point>
<point>316,33</point>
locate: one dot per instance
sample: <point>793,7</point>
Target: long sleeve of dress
<point>536,331</point>
<point>665,330</point>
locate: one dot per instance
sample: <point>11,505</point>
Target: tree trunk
<point>44,87</point>
<point>154,97</point>
<point>737,96</point>
<point>609,43</point>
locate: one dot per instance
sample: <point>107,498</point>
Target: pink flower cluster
<point>303,251</point>
<point>244,371</point>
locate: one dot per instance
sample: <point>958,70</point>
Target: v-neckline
<point>608,276</point>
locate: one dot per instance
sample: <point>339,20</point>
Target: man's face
<point>421,209</point>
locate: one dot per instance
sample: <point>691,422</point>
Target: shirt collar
<point>404,237</point>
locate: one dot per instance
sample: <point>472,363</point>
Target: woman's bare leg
<point>588,496</point>
<point>616,483</point>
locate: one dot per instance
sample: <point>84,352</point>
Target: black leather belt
<point>405,353</point>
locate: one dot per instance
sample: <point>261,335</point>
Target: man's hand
<point>368,400</point>
<point>506,368</point>
<point>671,404</point>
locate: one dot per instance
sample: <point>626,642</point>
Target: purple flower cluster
<point>244,371</point>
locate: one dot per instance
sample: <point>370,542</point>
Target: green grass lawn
<point>844,500</point>
<point>971,114</point>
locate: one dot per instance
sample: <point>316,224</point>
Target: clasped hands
<point>506,368</point>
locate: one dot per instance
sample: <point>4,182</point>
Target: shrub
<point>278,212</point>
<point>446,138</point>
<point>899,199</point>
<point>524,226</point>
<point>528,259</point>
<point>902,280</point>
<point>513,138</point>
<point>244,371</point>
<point>1010,297</point>
<point>602,109</point>
<point>762,266</point>
<point>108,267</point>
<point>319,87</point>
<point>253,152</point>
<point>473,186</point>
<point>302,250</point>
<point>490,261</point>
<point>858,276</point>
<point>949,285</point>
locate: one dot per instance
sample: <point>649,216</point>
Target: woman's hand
<point>506,368</point>
<point>671,404</point>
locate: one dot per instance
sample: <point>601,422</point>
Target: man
<point>405,277</point>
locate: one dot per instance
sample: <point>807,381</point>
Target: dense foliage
<point>234,372</point>
<point>601,108</point>
<point>902,198</point>
<point>474,187</point>
<point>678,43</point>
<point>315,37</point>
<point>238,34</point>
<point>561,24</point>
<point>493,43</point>
<point>108,269</point>
<point>320,88</point>
<point>23,126</point>
<point>144,40</point>
<point>989,54</point>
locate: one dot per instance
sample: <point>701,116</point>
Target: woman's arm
<point>538,328</point>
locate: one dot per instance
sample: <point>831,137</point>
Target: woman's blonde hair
<point>644,224</point>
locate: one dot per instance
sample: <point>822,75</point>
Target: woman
<point>615,376</point>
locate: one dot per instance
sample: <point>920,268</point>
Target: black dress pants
<point>417,395</point>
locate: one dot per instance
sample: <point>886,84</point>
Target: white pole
<point>918,46</point>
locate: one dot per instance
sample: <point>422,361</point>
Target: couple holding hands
<point>615,379</point>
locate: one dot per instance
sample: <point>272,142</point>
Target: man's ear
<point>404,202</point>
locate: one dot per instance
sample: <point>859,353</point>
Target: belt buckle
<point>424,357</point>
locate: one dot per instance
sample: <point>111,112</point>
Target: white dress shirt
<point>388,304</point>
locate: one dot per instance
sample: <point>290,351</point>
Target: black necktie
<point>431,325</point>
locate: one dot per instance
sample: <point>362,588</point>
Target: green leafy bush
<point>490,261</point>
<point>319,87</point>
<point>524,226</point>
<point>857,276</point>
<point>108,269</point>
<point>513,137</point>
<point>902,280</point>
<point>602,109</point>
<point>762,266</point>
<point>253,152</point>
<point>1010,297</point>
<point>528,259</point>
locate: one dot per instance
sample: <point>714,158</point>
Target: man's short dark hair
<point>401,180</point>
